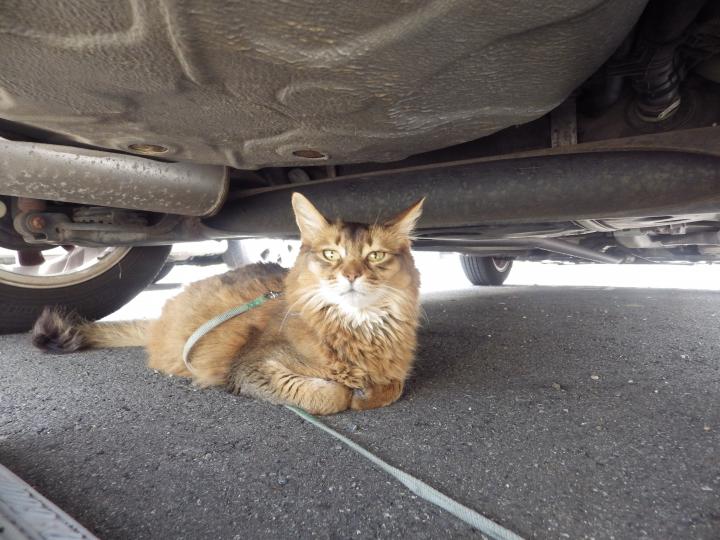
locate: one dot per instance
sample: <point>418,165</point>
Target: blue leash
<point>217,321</point>
<point>486,526</point>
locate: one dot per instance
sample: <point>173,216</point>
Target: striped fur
<point>343,335</point>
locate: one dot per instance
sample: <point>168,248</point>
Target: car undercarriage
<point>576,131</point>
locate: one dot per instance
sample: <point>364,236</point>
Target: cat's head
<point>357,267</point>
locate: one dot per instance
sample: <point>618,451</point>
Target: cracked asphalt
<point>558,412</point>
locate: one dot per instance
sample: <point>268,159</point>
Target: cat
<point>341,335</point>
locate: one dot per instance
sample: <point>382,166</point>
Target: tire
<point>164,271</point>
<point>92,299</point>
<point>486,270</point>
<point>242,252</point>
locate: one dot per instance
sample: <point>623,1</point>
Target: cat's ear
<point>405,221</point>
<point>309,220</point>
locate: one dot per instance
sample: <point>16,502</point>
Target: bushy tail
<point>59,331</point>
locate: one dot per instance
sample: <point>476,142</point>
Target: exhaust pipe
<point>77,175</point>
<point>546,189</point>
<point>551,245</point>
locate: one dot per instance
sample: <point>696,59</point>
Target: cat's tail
<point>60,331</point>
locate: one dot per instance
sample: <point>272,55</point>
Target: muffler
<point>546,189</point>
<point>90,177</point>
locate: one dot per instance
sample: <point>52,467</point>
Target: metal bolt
<point>26,204</point>
<point>309,153</point>
<point>150,149</point>
<point>36,223</point>
<point>3,209</point>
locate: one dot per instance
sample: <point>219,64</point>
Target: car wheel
<point>164,271</point>
<point>486,270</point>
<point>94,282</point>
<point>242,252</point>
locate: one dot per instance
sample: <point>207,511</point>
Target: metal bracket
<point>563,124</point>
<point>122,230</point>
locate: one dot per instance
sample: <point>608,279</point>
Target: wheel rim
<point>501,265</point>
<point>57,267</point>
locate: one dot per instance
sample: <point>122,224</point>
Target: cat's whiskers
<point>304,297</point>
<point>424,313</point>
<point>399,297</point>
<point>314,302</point>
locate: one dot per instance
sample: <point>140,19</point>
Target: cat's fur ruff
<point>342,335</point>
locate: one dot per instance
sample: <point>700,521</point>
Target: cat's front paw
<point>374,396</point>
<point>351,377</point>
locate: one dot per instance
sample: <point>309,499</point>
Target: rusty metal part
<point>25,204</point>
<point>59,229</point>
<point>77,175</point>
<point>648,175</point>
<point>36,222</point>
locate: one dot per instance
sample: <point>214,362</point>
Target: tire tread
<point>481,271</point>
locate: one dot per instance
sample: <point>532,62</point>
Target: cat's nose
<point>351,275</point>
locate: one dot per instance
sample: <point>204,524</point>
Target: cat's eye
<point>331,255</point>
<point>376,256</point>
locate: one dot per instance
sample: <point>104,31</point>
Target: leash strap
<point>217,321</point>
<point>486,526</point>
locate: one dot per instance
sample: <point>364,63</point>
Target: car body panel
<point>249,84</point>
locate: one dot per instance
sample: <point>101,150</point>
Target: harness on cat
<point>486,526</point>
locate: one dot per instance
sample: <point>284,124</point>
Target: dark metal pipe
<point>530,190</point>
<point>547,244</point>
<point>574,250</point>
<point>77,175</point>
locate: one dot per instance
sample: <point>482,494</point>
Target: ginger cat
<point>342,335</point>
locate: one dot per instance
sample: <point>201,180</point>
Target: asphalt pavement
<point>558,412</point>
